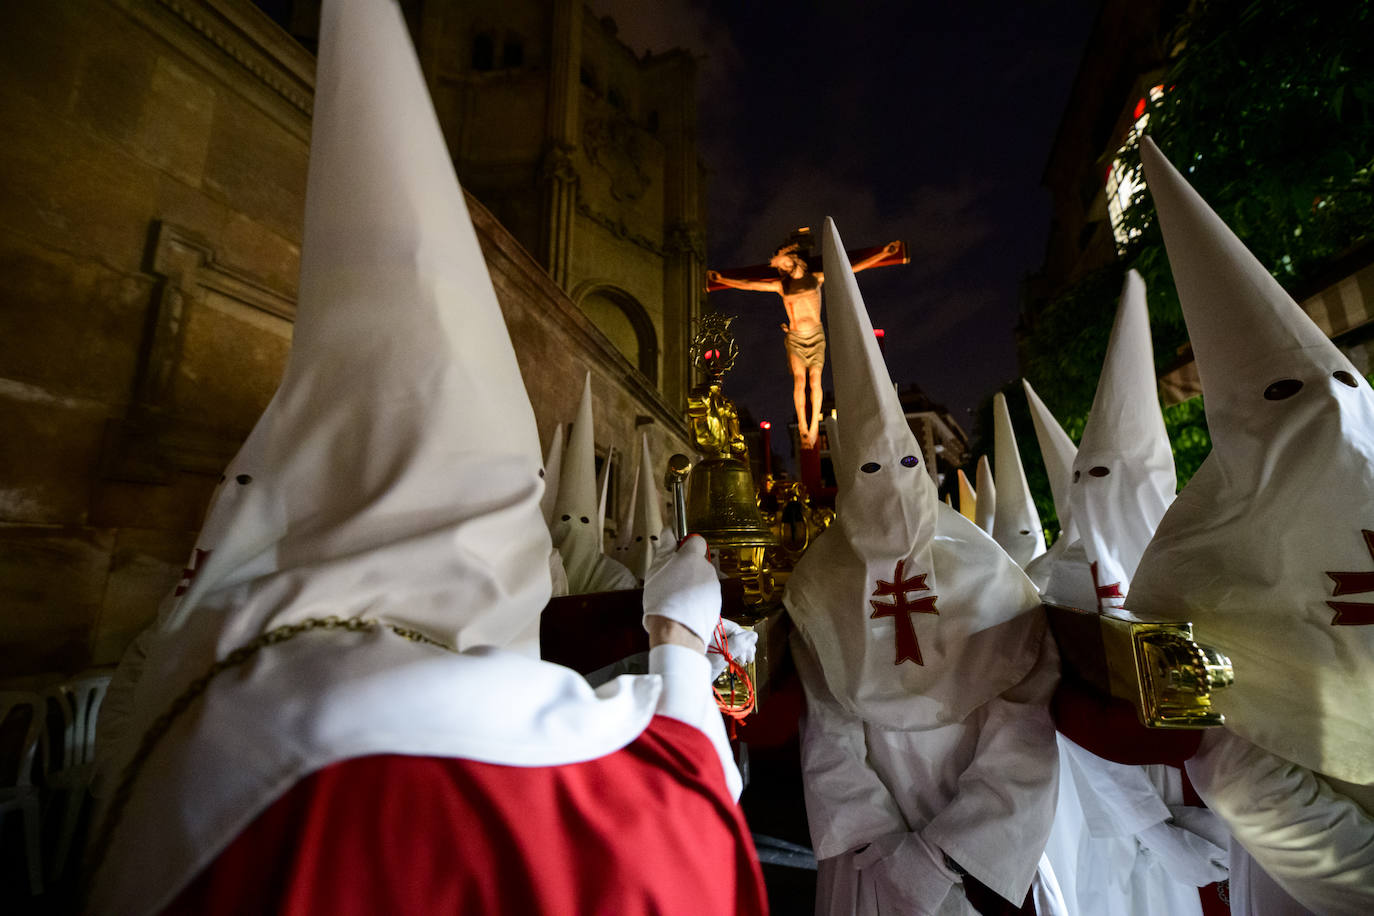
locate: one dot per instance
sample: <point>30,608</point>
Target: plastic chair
<point>71,764</point>
<point>17,792</point>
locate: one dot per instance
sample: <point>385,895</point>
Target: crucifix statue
<point>797,277</point>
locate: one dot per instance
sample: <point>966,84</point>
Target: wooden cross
<point>813,264</point>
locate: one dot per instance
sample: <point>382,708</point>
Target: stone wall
<point>150,224</point>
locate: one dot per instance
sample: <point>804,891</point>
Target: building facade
<point>1128,53</point>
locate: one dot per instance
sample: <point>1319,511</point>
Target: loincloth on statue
<point>809,347</point>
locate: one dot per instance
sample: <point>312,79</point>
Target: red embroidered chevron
<point>1111,590</point>
<point>1353,613</point>
<point>908,649</point>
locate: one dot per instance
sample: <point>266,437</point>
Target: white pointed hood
<point>987,490</point>
<point>1268,549</point>
<point>968,498</point>
<point>603,484</point>
<point>1061,573</point>
<point>393,480</point>
<point>624,536</point>
<point>1057,451</point>
<point>1123,474</point>
<point>1016,524</point>
<point>402,380</point>
<point>901,600</point>
<point>553,470</point>
<point>646,543</point>
<point>575,512</point>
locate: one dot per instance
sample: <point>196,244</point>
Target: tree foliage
<point>1268,110</point>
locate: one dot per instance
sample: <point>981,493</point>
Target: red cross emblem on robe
<point>908,649</point>
<point>1107,592</point>
<point>1353,613</point>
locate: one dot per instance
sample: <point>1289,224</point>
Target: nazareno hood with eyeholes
<point>576,534</point>
<point>1057,451</point>
<point>1269,550</point>
<point>1016,525</point>
<point>1123,471</point>
<point>646,543</point>
<point>916,616</point>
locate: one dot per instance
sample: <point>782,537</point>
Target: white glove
<point>741,643</point>
<point>1187,856</point>
<point>906,870</point>
<point>685,589</point>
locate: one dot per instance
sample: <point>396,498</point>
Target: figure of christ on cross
<point>800,289</point>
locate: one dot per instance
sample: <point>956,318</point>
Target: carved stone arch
<point>627,325</point>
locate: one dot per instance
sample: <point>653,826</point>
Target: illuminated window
<point>1122,182</point>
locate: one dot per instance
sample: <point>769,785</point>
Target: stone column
<point>684,220</point>
<point>557,171</point>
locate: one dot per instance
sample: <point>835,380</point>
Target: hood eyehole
<point>1282,389</point>
<point>870,467</point>
<point>910,461</point>
<point>1099,471</point>
<point>1345,378</point>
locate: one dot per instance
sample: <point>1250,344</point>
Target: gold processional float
<point>1158,668</point>
<point>718,500</point>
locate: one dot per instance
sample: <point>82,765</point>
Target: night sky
<point>914,120</point>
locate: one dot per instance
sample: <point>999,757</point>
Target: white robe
<point>368,693</point>
<point>1123,842</point>
<point>965,789</point>
<point>1320,861</point>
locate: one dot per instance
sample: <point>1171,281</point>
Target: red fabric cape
<point>647,829</point>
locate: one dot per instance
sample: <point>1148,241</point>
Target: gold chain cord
<point>163,723</point>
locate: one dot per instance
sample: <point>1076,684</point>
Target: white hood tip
<point>645,545</point>
<point>1016,524</point>
<point>1056,450</point>
<point>987,496</point>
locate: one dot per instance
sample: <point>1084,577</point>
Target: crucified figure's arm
<point>887,251</point>
<point>760,286</point>
<point>872,260</point>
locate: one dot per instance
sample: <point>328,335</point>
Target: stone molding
<point>505,254</point>
<point>558,163</point>
<point>686,237</point>
<point>616,226</point>
<point>231,38</point>
<point>151,442</point>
